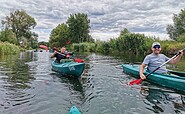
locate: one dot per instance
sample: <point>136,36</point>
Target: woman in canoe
<point>62,54</point>
<point>155,59</point>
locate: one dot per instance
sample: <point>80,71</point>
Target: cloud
<point>107,17</point>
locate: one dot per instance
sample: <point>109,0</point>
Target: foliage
<point>117,46</point>
<point>113,46</point>
<point>43,43</point>
<point>124,31</point>
<point>171,47</point>
<point>76,47</point>
<point>134,43</point>
<point>24,42</point>
<point>7,35</point>
<point>84,47</point>
<point>21,24</point>
<point>79,26</point>
<point>103,47</point>
<point>33,41</point>
<point>7,48</point>
<point>178,27</point>
<point>181,38</point>
<point>59,36</point>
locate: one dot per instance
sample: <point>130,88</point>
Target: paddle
<point>138,81</point>
<point>76,59</point>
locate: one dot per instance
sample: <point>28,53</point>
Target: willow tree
<point>20,23</point>
<point>79,26</point>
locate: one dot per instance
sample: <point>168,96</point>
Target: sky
<point>107,17</point>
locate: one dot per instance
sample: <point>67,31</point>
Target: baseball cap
<point>155,43</point>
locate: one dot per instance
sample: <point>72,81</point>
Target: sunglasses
<point>157,46</point>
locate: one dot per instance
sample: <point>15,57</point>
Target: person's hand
<point>55,52</point>
<point>68,55</point>
<point>181,52</point>
<point>143,77</point>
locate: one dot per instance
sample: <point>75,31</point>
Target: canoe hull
<point>167,80</point>
<point>69,68</point>
<point>74,110</point>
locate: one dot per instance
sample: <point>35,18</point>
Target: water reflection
<point>15,71</point>
<point>158,100</point>
<point>15,78</point>
<point>74,84</point>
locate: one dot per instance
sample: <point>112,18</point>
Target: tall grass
<point>84,47</point>
<point>7,48</point>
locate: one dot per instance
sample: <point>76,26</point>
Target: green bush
<point>7,48</point>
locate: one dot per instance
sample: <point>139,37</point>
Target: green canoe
<point>167,80</point>
<point>68,68</point>
<point>179,73</point>
<point>74,110</point>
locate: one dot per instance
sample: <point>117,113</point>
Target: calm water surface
<point>29,86</point>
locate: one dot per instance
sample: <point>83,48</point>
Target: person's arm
<point>177,59</point>
<point>142,76</point>
<point>53,55</point>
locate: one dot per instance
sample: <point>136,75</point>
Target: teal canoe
<point>167,80</point>
<point>74,110</point>
<point>69,68</point>
<point>179,73</point>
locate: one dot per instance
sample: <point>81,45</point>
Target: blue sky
<point>108,17</point>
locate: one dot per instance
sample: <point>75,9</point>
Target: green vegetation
<point>59,36</point>
<point>17,29</point>
<point>76,30</point>
<point>7,48</point>
<point>84,47</point>
<point>129,43</point>
<point>176,30</point>
<point>79,28</point>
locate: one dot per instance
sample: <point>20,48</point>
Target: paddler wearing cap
<point>155,59</point>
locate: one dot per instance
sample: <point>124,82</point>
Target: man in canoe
<point>62,54</point>
<point>155,59</point>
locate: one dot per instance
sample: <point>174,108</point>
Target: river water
<point>29,86</point>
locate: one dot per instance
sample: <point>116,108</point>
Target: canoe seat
<point>66,60</point>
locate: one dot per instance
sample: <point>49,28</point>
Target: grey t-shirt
<point>153,61</point>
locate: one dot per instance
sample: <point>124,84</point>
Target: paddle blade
<point>138,81</point>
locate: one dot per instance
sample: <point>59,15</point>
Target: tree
<point>178,28</point>
<point>20,23</point>
<point>34,40</point>
<point>134,43</point>
<point>124,31</point>
<point>59,36</point>
<point>181,38</point>
<point>79,26</point>
<point>8,36</point>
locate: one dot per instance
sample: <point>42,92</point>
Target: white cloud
<point>108,17</point>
